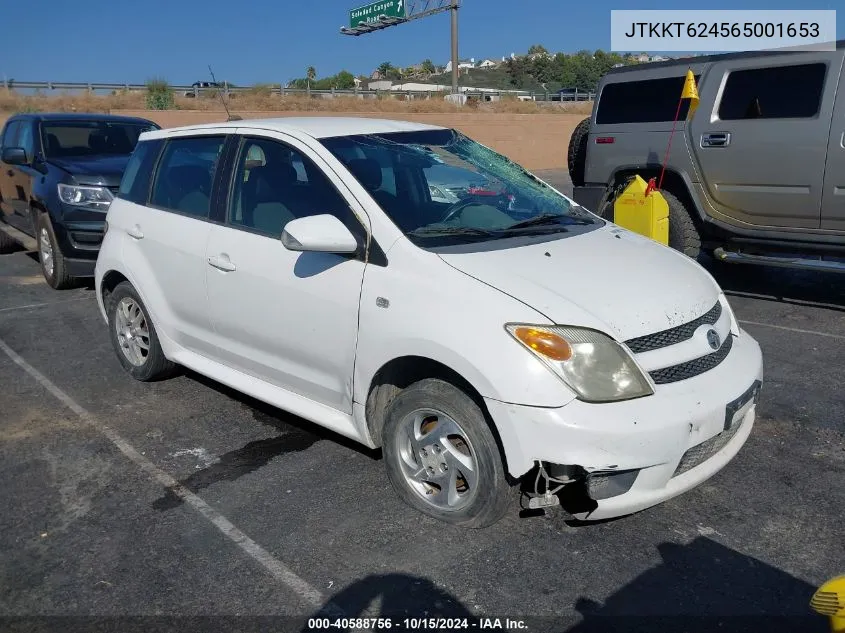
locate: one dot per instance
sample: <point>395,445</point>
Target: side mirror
<point>14,156</point>
<point>319,233</point>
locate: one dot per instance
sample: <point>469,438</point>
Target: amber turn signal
<point>545,343</point>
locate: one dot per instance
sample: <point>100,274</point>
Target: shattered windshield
<point>441,187</point>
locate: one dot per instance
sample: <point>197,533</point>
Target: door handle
<point>135,232</point>
<point>716,139</point>
<point>221,262</point>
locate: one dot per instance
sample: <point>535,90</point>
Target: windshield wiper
<point>547,219</point>
<point>430,231</point>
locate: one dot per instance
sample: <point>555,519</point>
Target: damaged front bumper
<point>638,453</point>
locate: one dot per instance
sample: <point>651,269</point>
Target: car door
<point>833,198</point>
<point>23,179</point>
<point>166,238</point>
<point>8,193</point>
<point>761,145</point>
<point>285,317</point>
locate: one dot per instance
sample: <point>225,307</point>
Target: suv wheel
<point>134,337</point>
<point>441,455</point>
<point>52,261</point>
<point>683,233</point>
<point>576,157</point>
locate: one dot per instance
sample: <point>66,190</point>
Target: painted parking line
<point>276,568</point>
<point>44,305</point>
<point>794,329</point>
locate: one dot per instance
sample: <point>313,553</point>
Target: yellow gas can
<point>642,209</point>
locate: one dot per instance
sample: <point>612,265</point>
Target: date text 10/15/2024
<point>416,624</point>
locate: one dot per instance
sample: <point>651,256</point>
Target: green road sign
<point>372,12</point>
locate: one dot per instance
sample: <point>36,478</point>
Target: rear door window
<point>185,175</point>
<point>25,139</point>
<point>647,101</point>
<point>776,92</point>
<point>10,135</point>
<point>135,184</point>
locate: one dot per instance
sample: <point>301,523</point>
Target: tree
<point>385,68</point>
<point>344,80</point>
<point>311,75</point>
<point>428,67</point>
<point>537,49</point>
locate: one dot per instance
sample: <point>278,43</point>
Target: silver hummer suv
<point>756,175</point>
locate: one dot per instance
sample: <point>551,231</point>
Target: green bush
<point>159,95</point>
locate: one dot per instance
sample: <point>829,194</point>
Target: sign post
<point>385,13</point>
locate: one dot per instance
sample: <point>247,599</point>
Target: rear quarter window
<point>775,92</point>
<point>644,101</point>
<point>135,183</point>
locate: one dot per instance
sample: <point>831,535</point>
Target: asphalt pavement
<point>182,498</point>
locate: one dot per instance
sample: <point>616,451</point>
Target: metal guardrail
<point>278,89</point>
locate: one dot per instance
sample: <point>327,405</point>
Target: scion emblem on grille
<point>713,339</point>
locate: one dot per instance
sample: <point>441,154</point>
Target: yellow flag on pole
<point>690,92</point>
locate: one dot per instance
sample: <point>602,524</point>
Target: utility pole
<point>455,62</point>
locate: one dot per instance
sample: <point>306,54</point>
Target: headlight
<point>726,305</point>
<point>95,198</point>
<point>592,364</point>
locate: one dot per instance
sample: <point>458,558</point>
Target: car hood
<point>609,279</point>
<point>94,170</point>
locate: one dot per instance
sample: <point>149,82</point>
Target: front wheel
<point>53,265</point>
<point>441,455</point>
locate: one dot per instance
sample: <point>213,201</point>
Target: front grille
<point>674,335</point>
<point>700,453</point>
<point>693,367</point>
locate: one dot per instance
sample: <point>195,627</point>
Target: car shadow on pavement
<point>698,587</point>
<point>295,434</point>
<point>704,586</point>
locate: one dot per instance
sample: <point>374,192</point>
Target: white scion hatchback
<point>491,334</point>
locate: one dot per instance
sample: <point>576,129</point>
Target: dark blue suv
<point>58,175</point>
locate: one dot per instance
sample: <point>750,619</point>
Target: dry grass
<point>260,100</point>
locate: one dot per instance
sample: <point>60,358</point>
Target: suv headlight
<point>87,197</point>
<point>593,365</point>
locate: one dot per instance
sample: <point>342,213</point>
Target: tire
<point>7,244</point>
<point>576,157</point>
<point>144,367</point>
<point>683,233</point>
<point>50,256</point>
<point>464,444</point>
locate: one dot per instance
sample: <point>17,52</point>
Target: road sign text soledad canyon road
<point>372,12</point>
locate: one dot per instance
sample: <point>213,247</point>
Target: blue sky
<point>254,41</point>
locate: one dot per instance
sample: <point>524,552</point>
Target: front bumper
<point>649,435</point>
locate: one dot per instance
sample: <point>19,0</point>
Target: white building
<point>487,63</point>
<point>462,64</point>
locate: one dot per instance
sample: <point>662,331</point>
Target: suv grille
<point>674,335</point>
<point>693,367</point>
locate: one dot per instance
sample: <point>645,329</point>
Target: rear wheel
<point>441,455</point>
<point>134,336</point>
<point>50,256</point>
<point>576,157</point>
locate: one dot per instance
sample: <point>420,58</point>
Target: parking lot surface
<point>183,498</point>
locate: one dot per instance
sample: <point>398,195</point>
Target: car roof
<point>315,127</point>
<point>704,59</point>
<point>81,116</point>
